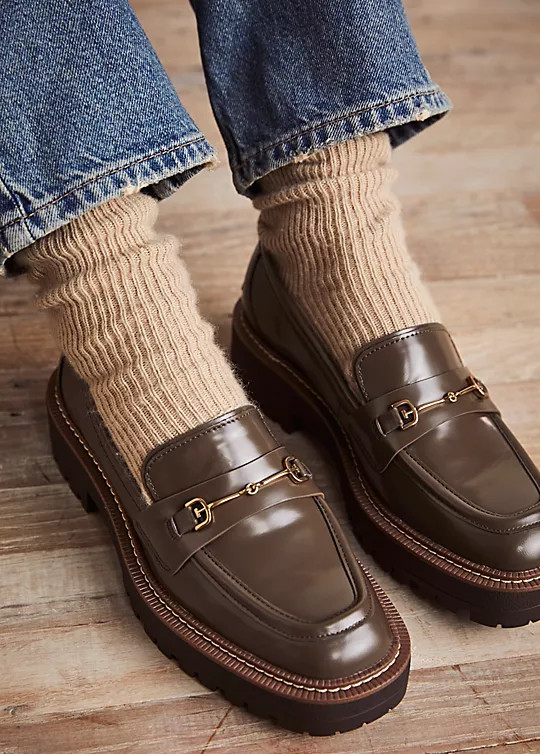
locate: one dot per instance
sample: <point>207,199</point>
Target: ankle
<point>332,226</point>
<point>125,315</point>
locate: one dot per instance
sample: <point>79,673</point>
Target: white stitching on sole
<point>331,690</point>
<point>360,477</point>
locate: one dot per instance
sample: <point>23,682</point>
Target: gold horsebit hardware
<point>409,414</point>
<point>203,512</point>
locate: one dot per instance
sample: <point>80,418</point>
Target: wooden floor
<point>77,673</point>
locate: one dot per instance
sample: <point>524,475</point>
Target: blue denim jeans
<point>87,112</point>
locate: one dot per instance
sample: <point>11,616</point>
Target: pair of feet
<point>238,568</point>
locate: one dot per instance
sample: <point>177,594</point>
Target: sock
<point>333,227</point>
<point>124,314</point>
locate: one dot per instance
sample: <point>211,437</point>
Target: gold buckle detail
<point>203,512</point>
<point>298,471</point>
<point>409,414</point>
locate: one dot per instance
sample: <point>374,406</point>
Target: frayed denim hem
<point>159,174</point>
<point>402,117</point>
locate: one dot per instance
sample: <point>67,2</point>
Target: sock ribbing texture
<point>126,318</point>
<point>333,226</point>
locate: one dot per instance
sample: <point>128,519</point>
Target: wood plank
<point>478,704</point>
<point>79,675</point>
<point>469,235</point>
<point>26,342</point>
<point>491,302</point>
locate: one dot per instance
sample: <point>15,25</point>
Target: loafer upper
<point>425,430</point>
<point>241,537</point>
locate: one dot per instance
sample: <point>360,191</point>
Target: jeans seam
<point>16,202</point>
<point>99,177</point>
<point>352,114</point>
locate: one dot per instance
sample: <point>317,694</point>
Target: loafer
<point>437,486</point>
<point>237,568</point>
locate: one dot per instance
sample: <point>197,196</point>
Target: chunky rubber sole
<point>300,704</point>
<point>487,596</point>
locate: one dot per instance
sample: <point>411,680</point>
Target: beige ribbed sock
<point>333,226</point>
<point>125,315</point>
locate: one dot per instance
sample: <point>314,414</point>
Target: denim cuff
<point>402,117</point>
<point>159,174</point>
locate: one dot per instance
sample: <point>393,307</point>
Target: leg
<point>125,315</point>
<point>213,520</point>
<point>286,79</point>
<point>108,124</point>
<point>328,217</point>
<point>335,329</point>
<point>83,123</point>
<point>332,224</point>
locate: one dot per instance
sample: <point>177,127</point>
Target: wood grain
<point>79,675</point>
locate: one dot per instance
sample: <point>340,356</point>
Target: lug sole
<point>299,704</point>
<point>484,595</point>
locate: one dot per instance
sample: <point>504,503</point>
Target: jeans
<point>87,112</point>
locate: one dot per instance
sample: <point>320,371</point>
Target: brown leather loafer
<point>438,488</point>
<point>238,569</point>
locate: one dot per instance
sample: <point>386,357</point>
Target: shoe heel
<point>274,396</point>
<point>71,468</point>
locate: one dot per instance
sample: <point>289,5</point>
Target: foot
<point>439,488</point>
<point>237,567</point>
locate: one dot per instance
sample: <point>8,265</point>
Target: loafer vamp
<point>480,502</point>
